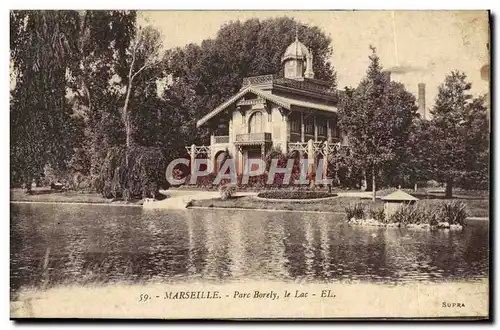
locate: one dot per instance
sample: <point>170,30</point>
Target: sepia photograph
<point>250,165</point>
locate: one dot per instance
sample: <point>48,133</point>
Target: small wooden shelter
<point>394,201</point>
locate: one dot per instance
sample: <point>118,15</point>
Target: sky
<point>426,45</point>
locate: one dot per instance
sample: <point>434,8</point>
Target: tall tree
<point>43,48</point>
<point>97,79</point>
<point>460,132</point>
<point>145,52</point>
<point>377,116</point>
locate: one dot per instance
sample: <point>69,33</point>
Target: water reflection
<point>108,244</point>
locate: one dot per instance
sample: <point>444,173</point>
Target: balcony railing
<point>221,139</point>
<point>253,138</point>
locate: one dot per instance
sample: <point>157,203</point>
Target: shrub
<point>453,212</point>
<point>226,191</point>
<point>377,214</point>
<point>415,214</point>
<point>138,172</point>
<point>356,211</point>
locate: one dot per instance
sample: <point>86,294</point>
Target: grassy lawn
<point>477,206</point>
<point>249,202</point>
<point>48,195</point>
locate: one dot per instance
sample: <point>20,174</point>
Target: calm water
<point>125,244</point>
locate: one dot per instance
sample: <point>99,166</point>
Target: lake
<point>68,244</point>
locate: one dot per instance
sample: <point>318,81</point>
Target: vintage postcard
<point>250,165</point>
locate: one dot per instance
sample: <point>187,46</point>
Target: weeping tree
<point>43,48</point>
<point>132,172</point>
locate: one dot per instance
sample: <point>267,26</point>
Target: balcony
<point>253,138</point>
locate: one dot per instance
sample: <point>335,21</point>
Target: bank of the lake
<point>478,208</point>
<point>46,195</point>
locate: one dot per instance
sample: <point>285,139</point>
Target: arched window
<point>255,123</point>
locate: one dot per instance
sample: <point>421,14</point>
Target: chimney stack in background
<point>421,100</point>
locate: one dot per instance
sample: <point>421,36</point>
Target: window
<point>295,125</point>
<point>255,123</point>
<point>309,126</point>
<point>321,122</point>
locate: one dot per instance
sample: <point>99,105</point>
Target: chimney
<point>421,100</point>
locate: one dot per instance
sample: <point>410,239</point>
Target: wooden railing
<point>254,137</point>
<point>221,139</point>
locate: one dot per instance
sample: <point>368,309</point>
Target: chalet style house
<point>293,113</point>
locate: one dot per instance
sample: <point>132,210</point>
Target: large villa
<point>295,113</point>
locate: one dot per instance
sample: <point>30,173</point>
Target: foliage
<point>356,211</point>
<point>136,172</point>
<point>377,213</point>
<point>415,214</point>
<point>43,47</point>
<point>144,53</point>
<point>460,134</point>
<point>63,104</point>
<point>377,116</point>
<point>453,212</point>
<point>226,191</point>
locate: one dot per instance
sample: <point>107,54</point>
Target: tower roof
<point>296,50</point>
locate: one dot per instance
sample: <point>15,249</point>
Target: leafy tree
<point>460,133</point>
<point>43,48</point>
<point>416,162</point>
<point>145,52</point>
<point>97,80</point>
<point>377,116</point>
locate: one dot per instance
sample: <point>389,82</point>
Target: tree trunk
<point>369,179</point>
<point>126,116</point>
<point>449,188</point>
<point>374,185</point>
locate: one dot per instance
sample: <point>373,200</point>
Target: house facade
<point>295,113</point>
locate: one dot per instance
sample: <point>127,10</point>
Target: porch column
<point>326,158</point>
<point>213,160</point>
<point>263,150</point>
<point>284,146</point>
<point>239,161</point>
<point>328,131</point>
<point>315,129</point>
<point>302,128</point>
<point>310,156</point>
<point>193,156</point>
<point>212,139</point>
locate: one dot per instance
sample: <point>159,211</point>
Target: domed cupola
<point>296,51</point>
<point>294,59</point>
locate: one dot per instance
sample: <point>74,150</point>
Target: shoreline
<point>76,203</point>
<point>208,208</point>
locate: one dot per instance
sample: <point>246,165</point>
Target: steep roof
<point>282,101</point>
<point>399,195</point>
